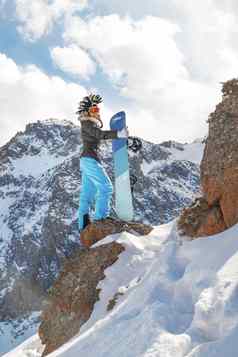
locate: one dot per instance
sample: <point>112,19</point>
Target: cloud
<point>27,94</point>
<point>74,60</point>
<point>142,59</point>
<point>135,55</point>
<point>9,72</point>
<point>206,30</point>
<point>205,44</point>
<point>36,18</point>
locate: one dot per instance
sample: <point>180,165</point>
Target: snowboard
<point>123,195</point>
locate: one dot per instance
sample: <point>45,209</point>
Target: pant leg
<point>87,194</point>
<point>98,176</point>
<point>103,196</point>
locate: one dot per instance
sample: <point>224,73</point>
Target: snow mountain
<point>39,189</point>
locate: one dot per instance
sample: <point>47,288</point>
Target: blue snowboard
<point>123,196</point>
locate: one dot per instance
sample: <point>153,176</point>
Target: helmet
<point>87,102</point>
<point>95,98</point>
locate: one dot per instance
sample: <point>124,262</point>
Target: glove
<point>123,133</point>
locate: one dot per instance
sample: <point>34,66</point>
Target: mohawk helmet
<point>87,102</point>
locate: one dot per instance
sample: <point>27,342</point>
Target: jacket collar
<point>94,120</point>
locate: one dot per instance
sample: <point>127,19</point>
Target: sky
<point>161,61</point>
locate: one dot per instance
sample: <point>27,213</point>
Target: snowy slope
<point>17,331</point>
<point>175,298</point>
<point>192,152</point>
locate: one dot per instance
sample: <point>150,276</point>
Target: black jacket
<point>91,136</point>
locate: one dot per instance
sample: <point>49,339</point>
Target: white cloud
<point>9,72</point>
<point>37,17</point>
<point>143,60</point>
<point>74,60</point>
<point>27,95</point>
<point>204,42</point>
<point>206,29</point>
<point>135,55</point>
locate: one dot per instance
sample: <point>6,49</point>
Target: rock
<point>73,295</point>
<point>219,171</point>
<point>219,167</point>
<point>201,220</point>
<point>100,229</point>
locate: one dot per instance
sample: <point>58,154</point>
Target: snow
<point>30,348</point>
<point>191,152</point>
<point>149,166</point>
<point>5,233</point>
<point>41,163</point>
<point>11,334</point>
<point>56,121</point>
<point>172,297</point>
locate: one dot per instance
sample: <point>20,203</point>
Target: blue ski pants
<point>95,186</point>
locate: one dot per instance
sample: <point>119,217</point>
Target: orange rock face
<point>72,297</point>
<point>224,190</point>
<point>219,167</point>
<point>200,220</point>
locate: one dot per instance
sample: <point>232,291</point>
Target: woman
<point>95,183</point>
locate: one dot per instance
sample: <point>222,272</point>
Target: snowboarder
<point>95,183</point>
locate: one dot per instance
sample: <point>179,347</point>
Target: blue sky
<point>156,60</point>
<point>38,53</point>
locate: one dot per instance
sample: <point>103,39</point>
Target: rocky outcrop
<point>98,230</point>
<point>201,220</point>
<point>73,295</point>
<point>219,167</point>
<point>219,171</point>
